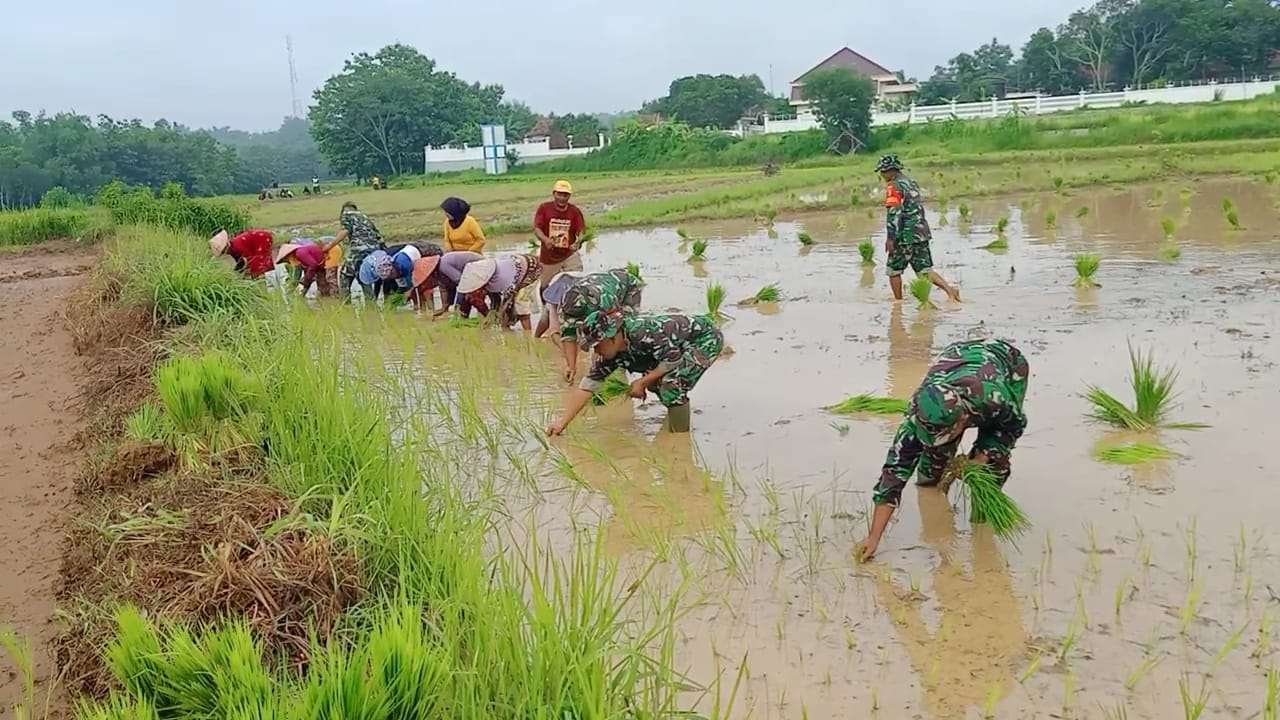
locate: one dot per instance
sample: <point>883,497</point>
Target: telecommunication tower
<point>293,78</point>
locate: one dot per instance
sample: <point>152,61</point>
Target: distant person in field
<point>315,185</point>
<point>908,233</point>
<point>570,298</point>
<point>560,227</point>
<point>501,278</point>
<point>316,266</point>
<point>461,231</point>
<point>671,352</point>
<point>251,250</point>
<point>364,240</point>
<point>973,384</point>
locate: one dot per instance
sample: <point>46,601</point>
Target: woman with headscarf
<point>315,265</point>
<point>461,231</point>
<point>502,278</point>
<point>251,250</point>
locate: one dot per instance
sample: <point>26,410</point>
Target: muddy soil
<point>40,378</point>
<point>1165,564</point>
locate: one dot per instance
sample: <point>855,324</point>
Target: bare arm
<point>337,240</point>
<point>578,399</point>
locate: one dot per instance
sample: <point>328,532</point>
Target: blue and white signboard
<point>493,139</point>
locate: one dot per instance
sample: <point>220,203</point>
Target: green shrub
<point>172,210</point>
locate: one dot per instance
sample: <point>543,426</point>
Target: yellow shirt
<point>467,236</point>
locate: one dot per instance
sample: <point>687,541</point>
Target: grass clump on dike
<point>308,550</point>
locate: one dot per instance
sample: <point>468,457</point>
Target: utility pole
<point>293,78</point>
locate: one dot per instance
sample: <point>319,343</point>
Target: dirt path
<point>40,377</point>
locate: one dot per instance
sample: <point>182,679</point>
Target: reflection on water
<point>910,353</point>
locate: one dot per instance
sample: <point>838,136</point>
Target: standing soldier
<point>973,384</point>
<point>365,239</point>
<point>908,236</point>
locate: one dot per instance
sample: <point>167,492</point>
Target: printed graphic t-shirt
<point>562,228</point>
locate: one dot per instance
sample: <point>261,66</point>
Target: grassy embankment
<point>279,526</point>
<point>684,175</point>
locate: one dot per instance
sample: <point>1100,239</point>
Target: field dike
<point>261,533</point>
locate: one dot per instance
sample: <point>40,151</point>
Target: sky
<point>203,67</point>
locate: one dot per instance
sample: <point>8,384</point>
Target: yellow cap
<point>563,186</point>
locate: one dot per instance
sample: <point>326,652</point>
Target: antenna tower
<point>293,78</point>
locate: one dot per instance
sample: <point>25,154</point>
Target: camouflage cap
<point>598,325</point>
<point>938,409</point>
<point>888,162</point>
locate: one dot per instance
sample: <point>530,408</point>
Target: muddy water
<point>948,622</point>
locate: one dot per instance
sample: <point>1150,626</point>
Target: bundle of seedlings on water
<point>1082,211</point>
<point>964,211</point>
<point>1168,226</point>
<point>1233,219</point>
<point>614,387</point>
<point>699,250</point>
<point>868,252</point>
<point>1153,398</point>
<point>804,238</point>
<point>684,234</point>
<point>767,294</point>
<point>1170,252</point>
<point>1002,224</point>
<point>715,298</point>
<point>1086,265</point>
<point>1134,453</point>
<point>920,289</point>
<point>868,404</point>
<point>989,504</point>
<point>1051,219</point>
<point>1000,243</point>
<point>633,269</point>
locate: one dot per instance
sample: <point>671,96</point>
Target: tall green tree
<point>841,100</point>
<point>717,101</point>
<point>1044,67</point>
<point>968,77</point>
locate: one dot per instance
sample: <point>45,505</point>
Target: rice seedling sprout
<point>920,288</point>
<point>1154,395</point>
<point>1140,671</point>
<point>804,238</point>
<point>1134,453</point>
<point>1170,252</point>
<point>1271,704</point>
<point>715,298</point>
<point>862,403</point>
<point>699,249</point>
<point>633,269</point>
<point>1082,211</point>
<point>1086,265</point>
<point>1192,706</point>
<point>964,211</point>
<point>999,243</point>
<point>868,252</point>
<point>1168,226</point>
<point>768,294</point>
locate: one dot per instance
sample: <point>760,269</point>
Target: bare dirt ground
<point>40,378</point>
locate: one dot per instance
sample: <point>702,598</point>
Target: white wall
<point>1202,93</point>
<point>447,159</point>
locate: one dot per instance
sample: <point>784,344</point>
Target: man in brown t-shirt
<point>560,227</point>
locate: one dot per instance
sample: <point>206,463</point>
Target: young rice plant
<point>868,252</point>
<point>920,288</point>
<point>1086,265</point>
<point>1153,392</point>
<point>868,404</point>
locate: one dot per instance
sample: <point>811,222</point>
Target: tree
<point>1142,29</point>
<point>841,100</point>
<point>970,76</point>
<point>1043,66</point>
<point>718,101</point>
<point>585,129</point>
<point>1089,42</point>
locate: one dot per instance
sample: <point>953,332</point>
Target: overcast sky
<point>215,64</point>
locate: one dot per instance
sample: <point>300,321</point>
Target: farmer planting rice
<point>461,231</point>
<point>425,278</point>
<point>502,278</point>
<point>571,297</point>
<point>908,234</point>
<point>314,264</point>
<point>973,384</point>
<point>364,240</point>
<point>251,250</point>
<point>670,351</point>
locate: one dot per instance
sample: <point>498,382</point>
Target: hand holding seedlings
<point>638,389</point>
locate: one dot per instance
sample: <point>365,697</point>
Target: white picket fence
<point>1040,105</point>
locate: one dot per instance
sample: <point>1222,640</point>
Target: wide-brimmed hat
<point>476,274</point>
<point>423,267</point>
<point>220,242</point>
<point>285,251</point>
<point>559,285</point>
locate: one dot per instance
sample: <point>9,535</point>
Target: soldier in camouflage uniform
<point>574,298</point>
<point>907,230</point>
<point>671,352</point>
<point>973,384</point>
<point>364,240</point>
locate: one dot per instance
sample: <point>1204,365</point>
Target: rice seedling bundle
<point>684,234</point>
<point>989,504</point>
<point>633,269</point>
<point>614,387</point>
<point>868,252</point>
<point>1134,453</point>
<point>1051,219</point>
<point>715,298</point>
<point>1082,211</point>
<point>999,243</point>
<point>1170,252</point>
<point>1002,224</point>
<point>920,289</point>
<point>1086,265</point>
<point>804,238</point>
<point>1168,226</point>
<point>1153,394</point>
<point>964,211</point>
<point>209,386</point>
<point>863,403</point>
<point>699,249</point>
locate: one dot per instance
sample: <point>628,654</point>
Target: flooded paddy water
<point>1137,582</point>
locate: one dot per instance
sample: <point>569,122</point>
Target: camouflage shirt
<point>973,383</point>
<point>604,291</point>
<point>653,341</point>
<point>905,218</point>
<point>362,234</point>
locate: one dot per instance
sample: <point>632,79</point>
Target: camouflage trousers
<point>915,254</point>
<point>673,388</point>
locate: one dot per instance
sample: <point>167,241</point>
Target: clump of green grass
<point>614,387</point>
<point>1168,226</point>
<point>1000,243</point>
<point>42,224</point>
<point>1153,392</point>
<point>1086,265</point>
<point>989,504</point>
<point>633,269</point>
<point>1002,224</point>
<point>715,298</point>
<point>868,252</point>
<point>1051,219</point>
<point>1134,453</point>
<point>804,238</point>
<point>920,288</point>
<point>1170,252</point>
<point>868,404</point>
<point>1082,211</point>
<point>699,250</point>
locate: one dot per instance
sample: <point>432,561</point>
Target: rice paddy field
<point>1146,587</point>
